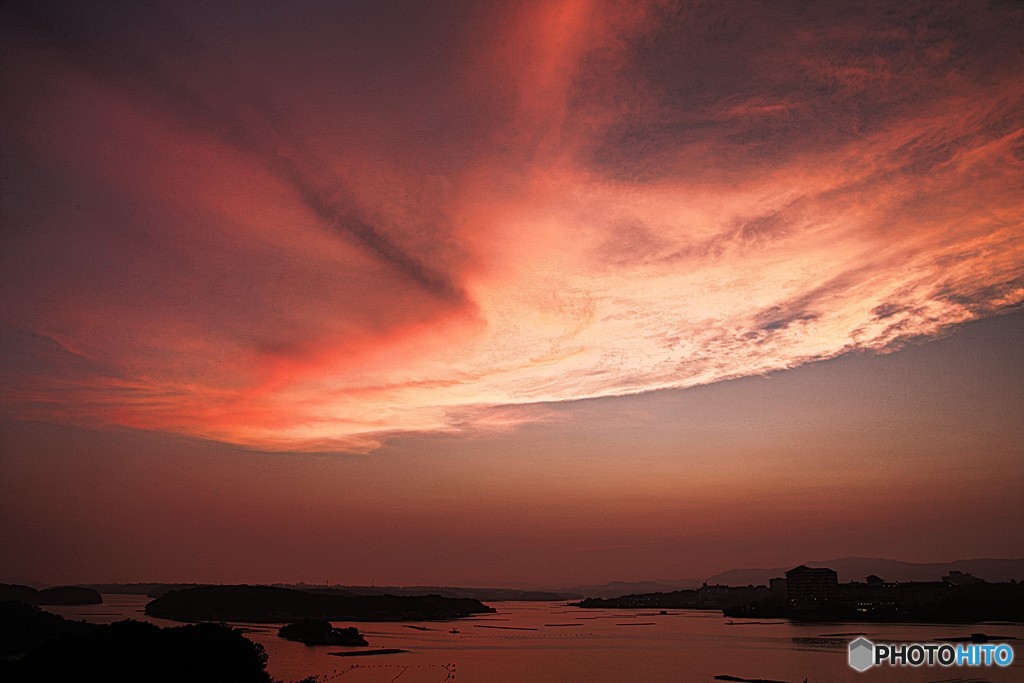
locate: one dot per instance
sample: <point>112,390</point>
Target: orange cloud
<point>315,244</point>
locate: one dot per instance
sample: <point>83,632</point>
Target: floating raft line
<point>365,653</point>
<point>507,628</point>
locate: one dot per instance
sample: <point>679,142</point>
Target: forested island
<point>320,632</point>
<point>58,595</point>
<point>271,604</point>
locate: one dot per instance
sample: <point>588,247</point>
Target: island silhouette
<point>270,604</point>
<point>321,632</point>
<point>57,595</point>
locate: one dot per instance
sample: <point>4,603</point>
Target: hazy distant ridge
<point>614,589</point>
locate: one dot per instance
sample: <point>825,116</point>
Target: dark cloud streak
<point>117,43</point>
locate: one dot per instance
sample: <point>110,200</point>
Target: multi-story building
<point>808,587</point>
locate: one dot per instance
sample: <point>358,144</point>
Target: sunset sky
<point>507,293</point>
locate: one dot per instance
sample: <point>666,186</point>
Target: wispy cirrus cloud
<point>418,221</point>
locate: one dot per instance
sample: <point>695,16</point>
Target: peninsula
<point>269,604</point>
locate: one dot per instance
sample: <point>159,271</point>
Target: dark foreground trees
<point>39,646</point>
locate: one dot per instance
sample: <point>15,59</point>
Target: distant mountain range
<point>616,589</point>
<point>858,568</point>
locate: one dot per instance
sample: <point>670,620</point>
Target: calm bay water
<point>599,645</point>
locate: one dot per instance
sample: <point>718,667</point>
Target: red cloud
<point>229,232</point>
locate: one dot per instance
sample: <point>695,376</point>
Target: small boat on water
<point>454,630</point>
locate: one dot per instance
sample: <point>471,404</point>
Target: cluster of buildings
<point>719,596</point>
<point>811,588</point>
<point>814,593</point>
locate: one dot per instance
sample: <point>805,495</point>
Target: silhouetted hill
<point>859,568</point>
<point>59,595</point>
<point>20,580</point>
<point>153,590</point>
<point>272,604</point>
<point>68,595</point>
<point>59,650</point>
<point>162,589</point>
<point>122,588</point>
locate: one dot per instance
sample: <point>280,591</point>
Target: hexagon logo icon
<point>862,654</point>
